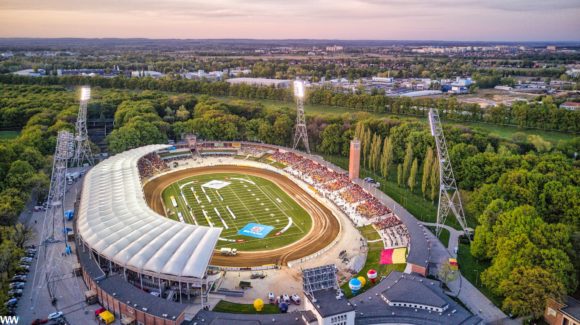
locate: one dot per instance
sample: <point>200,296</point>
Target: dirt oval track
<point>325,226</point>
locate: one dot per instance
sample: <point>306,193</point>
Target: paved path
<point>454,235</point>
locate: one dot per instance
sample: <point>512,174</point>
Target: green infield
<point>254,213</point>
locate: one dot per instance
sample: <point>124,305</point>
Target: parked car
<point>11,302</point>
<point>55,315</point>
<point>295,299</point>
<point>286,298</point>
<point>15,292</point>
<point>26,260</point>
<point>17,285</point>
<point>271,297</point>
<point>18,278</point>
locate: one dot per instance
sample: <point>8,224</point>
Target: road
<point>68,289</point>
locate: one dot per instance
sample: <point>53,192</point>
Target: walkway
<point>454,235</point>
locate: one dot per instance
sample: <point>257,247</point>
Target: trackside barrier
<point>254,268</point>
<point>293,263</point>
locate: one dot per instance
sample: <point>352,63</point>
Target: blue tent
<point>69,214</point>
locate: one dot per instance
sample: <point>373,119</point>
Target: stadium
<point>173,222</point>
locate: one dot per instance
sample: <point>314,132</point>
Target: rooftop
<point>215,318</point>
<point>572,307</point>
<point>328,305</point>
<point>372,309</point>
<point>116,222</point>
<point>124,291</point>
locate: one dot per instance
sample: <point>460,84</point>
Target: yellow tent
<point>107,317</point>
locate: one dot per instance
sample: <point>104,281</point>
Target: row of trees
<point>544,115</point>
<point>25,164</point>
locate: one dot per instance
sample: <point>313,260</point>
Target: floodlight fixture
<point>85,93</point>
<point>431,122</point>
<point>299,89</point>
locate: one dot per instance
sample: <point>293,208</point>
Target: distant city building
<point>551,48</point>
<point>7,54</point>
<point>201,74</point>
<point>278,83</point>
<point>506,88</point>
<point>574,72</point>
<point>334,48</point>
<point>30,73</point>
<point>239,72</point>
<point>571,106</point>
<point>146,73</point>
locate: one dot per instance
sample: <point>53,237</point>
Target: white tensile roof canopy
<point>116,222</point>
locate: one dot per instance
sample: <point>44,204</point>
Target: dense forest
<point>523,195</point>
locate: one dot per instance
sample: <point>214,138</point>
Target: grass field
<point>8,135</point>
<point>372,262</point>
<point>471,269</point>
<point>245,199</point>
<point>502,131</point>
<point>231,307</point>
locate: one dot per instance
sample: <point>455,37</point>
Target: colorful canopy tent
<point>107,317</point>
<point>394,255</point>
<point>453,264</point>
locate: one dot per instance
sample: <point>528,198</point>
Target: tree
<point>446,273</point>
<point>386,157</point>
<point>400,174</point>
<point>539,143</point>
<point>434,180</point>
<point>526,291</point>
<point>407,161</point>
<point>182,114</point>
<point>375,152</point>
<point>331,139</point>
<point>412,181</point>
<point>426,171</point>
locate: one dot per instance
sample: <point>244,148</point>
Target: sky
<point>455,20</point>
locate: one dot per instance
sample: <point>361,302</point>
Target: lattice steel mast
<point>53,228</point>
<point>449,196</point>
<point>82,152</point>
<point>300,132</point>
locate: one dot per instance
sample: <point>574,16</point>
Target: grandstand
<point>128,238</point>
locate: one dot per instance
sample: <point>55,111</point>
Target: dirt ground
<point>325,226</point>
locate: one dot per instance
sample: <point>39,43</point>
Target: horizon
<point>414,20</point>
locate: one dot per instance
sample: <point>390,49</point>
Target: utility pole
<point>449,196</point>
<point>82,152</point>
<point>300,132</point>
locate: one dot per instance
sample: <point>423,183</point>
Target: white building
<point>146,73</point>
<point>278,83</point>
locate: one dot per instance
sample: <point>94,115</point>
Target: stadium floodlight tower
<point>449,196</point>
<point>82,152</point>
<point>300,132</point>
<point>53,227</point>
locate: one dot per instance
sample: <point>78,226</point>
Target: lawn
<point>443,237</point>
<point>502,131</point>
<point>471,269</point>
<point>369,232</point>
<point>231,307</point>
<point>372,261</point>
<point>242,200</point>
<point>9,135</point>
